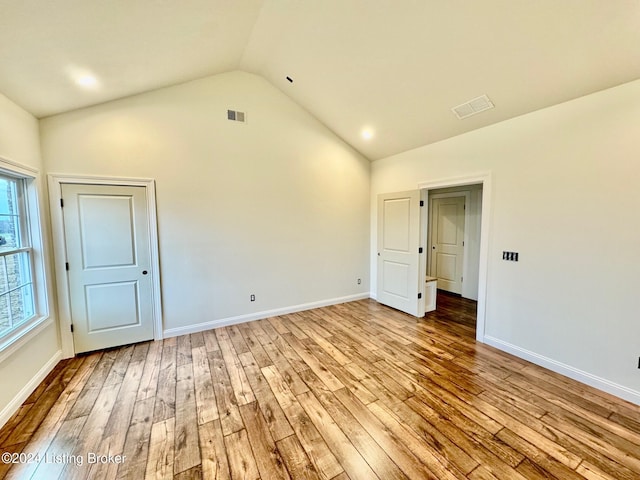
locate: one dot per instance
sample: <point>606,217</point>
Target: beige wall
<point>19,143</point>
<point>277,207</point>
<point>565,195</point>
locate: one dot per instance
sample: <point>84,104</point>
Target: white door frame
<point>60,258</point>
<point>484,179</point>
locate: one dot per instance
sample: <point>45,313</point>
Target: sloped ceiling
<point>396,67</point>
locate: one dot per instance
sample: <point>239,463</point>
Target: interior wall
<point>19,143</point>
<point>472,247</point>
<point>564,194</point>
<point>276,207</point>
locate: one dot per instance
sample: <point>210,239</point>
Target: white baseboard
<point>224,322</point>
<point>568,371</point>
<point>13,406</point>
<point>373,296</point>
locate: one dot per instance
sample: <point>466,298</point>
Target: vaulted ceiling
<point>395,67</point>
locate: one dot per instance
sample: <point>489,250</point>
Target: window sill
<point>16,340</point>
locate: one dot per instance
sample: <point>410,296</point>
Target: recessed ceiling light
<point>367,134</point>
<point>87,81</point>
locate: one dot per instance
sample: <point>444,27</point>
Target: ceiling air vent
<point>477,105</point>
<point>236,116</point>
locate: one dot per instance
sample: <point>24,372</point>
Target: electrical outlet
<point>359,281</point>
<point>253,298</point>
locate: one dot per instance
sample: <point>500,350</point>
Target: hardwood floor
<point>453,308</point>
<point>352,391</point>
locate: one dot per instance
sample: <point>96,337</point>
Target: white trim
<point>18,168</point>
<point>101,180</point>
<point>57,228</point>
<point>587,378</point>
<point>455,181</point>
<point>485,179</point>
<point>13,406</point>
<point>422,260</point>
<point>224,322</point>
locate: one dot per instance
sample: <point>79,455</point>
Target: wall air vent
<point>236,116</point>
<point>477,105</point>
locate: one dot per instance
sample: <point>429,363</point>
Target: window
<point>16,285</point>
<point>24,299</point>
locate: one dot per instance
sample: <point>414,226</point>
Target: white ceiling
<point>394,66</point>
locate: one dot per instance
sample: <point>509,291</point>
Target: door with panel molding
<point>107,240</point>
<point>447,242</point>
<point>398,284</point>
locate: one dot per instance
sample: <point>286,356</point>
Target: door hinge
<point>461,279</point>
<point>61,203</point>
<point>66,266</point>
<point>463,243</point>
<point>72,328</point>
<point>422,203</point>
<point>419,249</point>
<point>420,295</point>
<point>464,207</point>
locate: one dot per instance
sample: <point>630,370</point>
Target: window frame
<point>33,228</point>
<point>23,246</point>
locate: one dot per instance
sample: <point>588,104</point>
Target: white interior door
<point>447,242</point>
<point>109,258</point>
<point>398,257</point>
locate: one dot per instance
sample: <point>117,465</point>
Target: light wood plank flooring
<point>352,391</point>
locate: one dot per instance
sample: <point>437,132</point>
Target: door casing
<point>57,228</point>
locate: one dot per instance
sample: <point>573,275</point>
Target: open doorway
<point>453,248</point>
<point>402,247</point>
<point>453,238</point>
<point>468,304</point>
